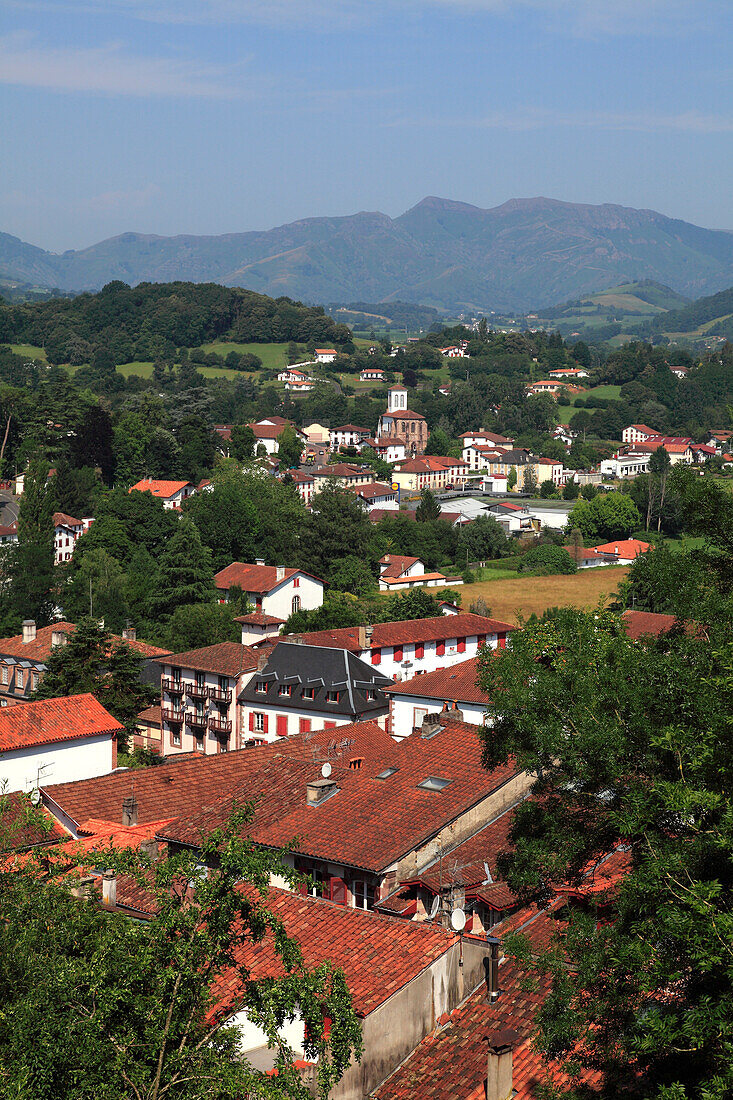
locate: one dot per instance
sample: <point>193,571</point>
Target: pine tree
<point>428,509</point>
<point>186,573</point>
<point>31,568</point>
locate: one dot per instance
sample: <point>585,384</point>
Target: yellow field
<point>508,599</point>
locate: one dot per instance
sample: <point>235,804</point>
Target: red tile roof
<point>429,464</point>
<point>224,658</point>
<point>41,647</point>
<point>60,519</point>
<point>343,469</point>
<point>254,578</point>
<point>151,715</point>
<point>640,624</point>
<point>455,684</point>
<point>49,721</point>
<point>397,564</point>
<point>378,954</point>
<point>373,489</point>
<point>25,825</point>
<point>163,489</point>
<point>402,414</point>
<point>464,625</point>
<point>259,618</point>
<point>624,548</point>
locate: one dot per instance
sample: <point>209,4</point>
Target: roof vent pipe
<point>491,969</point>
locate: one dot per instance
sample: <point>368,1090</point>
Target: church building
<point>400,423</point>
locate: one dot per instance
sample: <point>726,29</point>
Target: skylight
<point>386,773</point>
<point>434,783</point>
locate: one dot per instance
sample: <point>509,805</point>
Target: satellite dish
<point>35,796</point>
<point>488,880</point>
<point>326,770</point>
<point>458,920</point>
<point>434,907</point>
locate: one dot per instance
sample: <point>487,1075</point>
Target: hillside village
<point>274,593</point>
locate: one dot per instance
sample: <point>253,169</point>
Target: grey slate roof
<point>322,669</point>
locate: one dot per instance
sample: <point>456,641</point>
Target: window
<point>308,693</point>
<point>356,762</point>
<point>34,680</point>
<point>386,773</point>
<point>176,675</point>
<point>305,725</point>
<point>461,645</point>
<point>259,721</point>
<point>285,689</point>
<point>434,783</point>
<point>4,674</point>
<point>417,716</point>
<point>261,687</point>
<point>295,604</point>
<point>398,653</point>
<point>376,656</point>
<point>176,738</point>
<point>419,650</point>
<point>19,678</point>
<point>296,582</point>
<point>332,697</point>
<point>363,894</point>
<point>199,743</point>
<point>371,695</point>
<point>440,648</point>
<point>282,725</point>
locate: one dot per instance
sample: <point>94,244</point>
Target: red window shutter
<point>330,726</point>
<point>376,656</point>
<point>264,723</point>
<point>481,640</point>
<point>461,645</point>
<point>338,891</point>
<point>305,725</point>
<point>326,1027</point>
<point>440,648</point>
<point>251,721</point>
<point>419,649</point>
<point>398,653</point>
<point>282,725</point>
<point>502,641</point>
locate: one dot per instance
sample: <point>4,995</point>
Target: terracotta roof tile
<point>49,721</point>
<point>254,578</point>
<point>41,647</point>
<point>463,625</point>
<point>457,684</point>
<point>224,658</point>
<point>60,519</point>
<point>163,489</point>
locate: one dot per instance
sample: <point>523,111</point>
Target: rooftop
<point>163,489</point>
<point>41,647</point>
<point>50,721</point>
<point>464,625</point>
<point>456,684</point>
<point>60,519</point>
<point>223,658</point>
<point>254,578</point>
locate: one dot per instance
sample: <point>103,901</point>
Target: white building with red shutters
<point>433,472</point>
<point>66,534</point>
<point>454,688</point>
<point>638,433</point>
<point>274,589</point>
<point>325,355</point>
<point>371,374</point>
<point>348,435</point>
<point>292,374</point>
<point>397,572</point>
<point>403,649</point>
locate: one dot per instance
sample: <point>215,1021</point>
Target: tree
<point>428,509</point>
<point>607,516</point>
<point>74,490</point>
<point>135,1001</point>
<point>659,467</point>
<point>336,528</point>
<point>30,571</point>
<point>97,588</point>
<point>483,538</point>
<point>440,443</point>
<point>547,489</point>
<point>290,447</point>
<point>529,481</point>
<point>242,442</point>
<point>570,490</point>
<point>227,520</point>
<point>630,745</point>
<point>91,661</point>
<point>185,573</point>
<point>511,480</point>
<point>545,560</point>
<point>353,575</point>
<point>192,626</point>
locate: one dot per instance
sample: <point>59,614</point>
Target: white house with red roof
<point>172,493</point>
<point>454,351</point>
<point>483,438</point>
<point>266,433</point>
<point>348,435</point>
<point>371,374</point>
<point>452,690</point>
<point>377,495</point>
<point>325,355</point>
<point>292,374</point>
<point>304,484</point>
<point>638,433</point>
<point>258,627</point>
<point>56,741</point>
<point>397,572</point>
<point>274,589</point>
<point>389,449</point>
<point>433,472</point>
<point>568,372</point>
<point>67,532</point>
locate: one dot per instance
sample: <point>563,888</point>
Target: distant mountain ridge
<point>450,255</point>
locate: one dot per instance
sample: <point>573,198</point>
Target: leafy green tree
<point>440,443</point>
<point>74,489</point>
<point>428,509</point>
<point>130,447</point>
<point>607,516</point>
<point>290,447</point>
<point>659,468</point>
<point>228,521</point>
<point>30,577</point>
<point>185,572</point>
<point>545,560</point>
<point>529,480</point>
<point>570,490</point>
<point>511,480</point>
<point>192,626</point>
<point>353,575</point>
<point>483,538</point>
<point>336,528</point>
<point>547,489</point>
<point>589,491</point>
<point>416,603</point>
<point>134,1002</point>
<point>242,442</point>
<point>97,588</point>
<point>631,749</point>
<point>92,661</point>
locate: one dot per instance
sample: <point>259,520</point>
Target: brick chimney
<point>279,573</point>
<point>130,634</point>
<point>499,1085</point>
<point>129,810</point>
<point>29,631</point>
<point>431,724</point>
<point>451,711</point>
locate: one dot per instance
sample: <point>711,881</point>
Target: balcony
<point>220,725</point>
<point>175,687</point>
<point>197,721</point>
<point>197,691</point>
<point>170,714</point>
<point>220,696</point>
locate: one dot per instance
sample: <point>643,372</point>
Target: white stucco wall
<point>63,762</point>
<point>279,601</point>
<point>408,711</point>
<point>430,659</point>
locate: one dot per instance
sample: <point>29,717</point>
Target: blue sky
<point>213,116</point>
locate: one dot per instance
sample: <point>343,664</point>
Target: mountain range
<point>523,255</point>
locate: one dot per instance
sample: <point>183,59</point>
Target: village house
<point>631,464</point>
<point>721,439</point>
<point>638,433</point>
<point>568,372</point>
<point>402,649</point>
<point>274,589</point>
<point>300,386</point>
<point>400,423</point>
<point>304,483</point>
<point>24,657</point>
<point>498,484</point>
<point>453,688</point>
<point>302,688</point>
<point>198,697</point>
<point>344,474</point>
<point>8,533</point>
<point>258,627</point>
<point>266,433</point>
<point>483,438</point>
<point>677,447</point>
<point>397,572</point>
<point>148,730</point>
<point>454,351</point>
<point>325,355</point>
<point>553,386</point>
<point>317,433</point>
<point>389,450</point>
<point>293,374</point>
<point>434,472</point>
<point>377,495</point>
<point>348,435</point>
<point>55,741</point>
<point>67,532</point>
<point>619,552</point>
<point>515,519</point>
<point>371,374</point>
<point>172,493</point>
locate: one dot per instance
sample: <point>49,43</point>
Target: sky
<point>220,116</point>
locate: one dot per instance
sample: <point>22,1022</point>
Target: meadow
<point>514,596</point>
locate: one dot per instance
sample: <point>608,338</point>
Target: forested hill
<point>450,255</point>
<point>153,319</point>
<point>716,307</point>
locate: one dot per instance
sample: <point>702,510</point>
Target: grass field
<point>511,597</point>
<point>567,412</point>
<point>273,356</point>
<point>28,351</point>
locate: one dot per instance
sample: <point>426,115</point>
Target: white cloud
<point>110,69</point>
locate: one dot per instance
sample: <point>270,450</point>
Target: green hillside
<point>710,315</point>
<point>624,308</point>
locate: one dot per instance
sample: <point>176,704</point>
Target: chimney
<point>279,573</point>
<point>129,810</point>
<point>150,848</point>
<point>319,790</point>
<point>130,634</point>
<point>29,631</point>
<point>109,889</point>
<point>451,711</point>
<point>369,634</point>
<point>499,1084</point>
<point>259,561</point>
<point>361,637</point>
<point>491,969</point>
<point>262,661</point>
<point>431,724</point>
<point>58,637</point>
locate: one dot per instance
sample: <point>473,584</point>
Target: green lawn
<point>567,412</point>
<point>273,356</point>
<point>28,351</point>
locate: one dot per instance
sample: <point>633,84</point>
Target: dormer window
<point>261,687</point>
<point>371,695</point>
<point>332,696</point>
<point>285,689</point>
<point>309,693</point>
